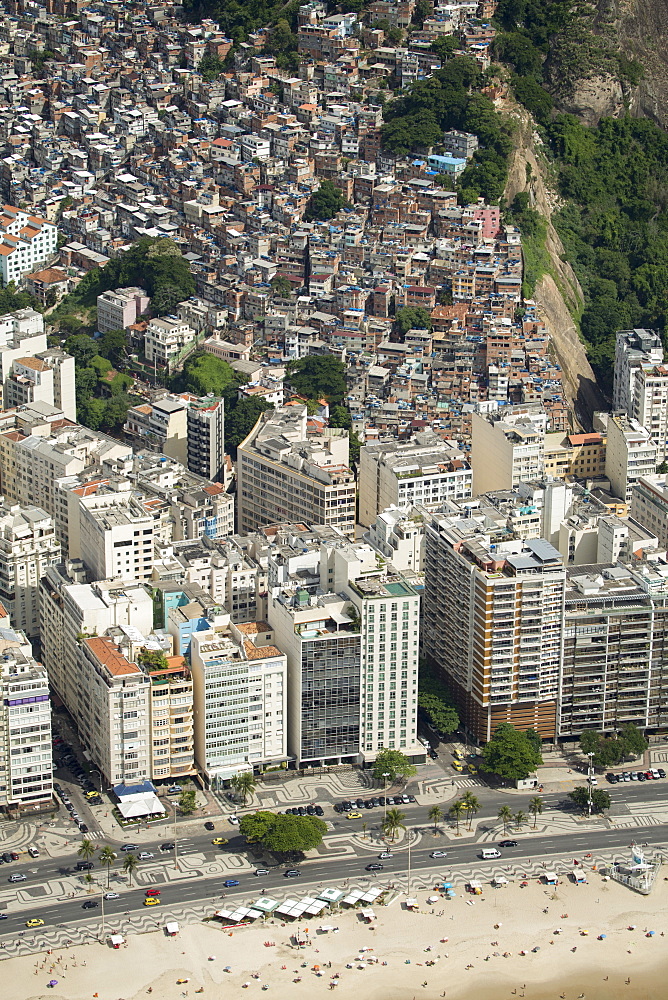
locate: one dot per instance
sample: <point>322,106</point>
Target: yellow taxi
<point>472,769</point>
<point>35,922</point>
<point>354,815</point>
<point>219,841</point>
<point>92,795</point>
<point>458,766</point>
<point>151,901</point>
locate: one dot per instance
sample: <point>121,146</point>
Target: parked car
<point>145,855</point>
<point>661,772</point>
<point>129,847</point>
<point>642,776</point>
<point>319,811</point>
<point>33,852</point>
<point>612,778</point>
<point>234,820</point>
<point>209,825</point>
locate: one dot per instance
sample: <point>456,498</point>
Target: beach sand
<point>462,940</point>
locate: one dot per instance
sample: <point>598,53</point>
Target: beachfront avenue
<point>198,891</point>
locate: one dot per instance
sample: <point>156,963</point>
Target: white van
<point>487,853</point>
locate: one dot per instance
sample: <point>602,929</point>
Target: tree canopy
<point>511,753</point>
<point>205,374</point>
<point>411,318</point>
<point>393,763</point>
<point>282,834</point>
<point>600,799</point>
<point>325,202</point>
<point>611,750</point>
<point>436,703</point>
<point>451,99</point>
<point>318,377</point>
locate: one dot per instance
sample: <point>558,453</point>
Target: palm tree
<point>107,857</point>
<point>86,849</point>
<point>89,879</point>
<point>393,822</point>
<point>130,865</point>
<point>244,784</point>
<point>505,815</point>
<point>457,809</point>
<point>520,819</point>
<point>364,826</point>
<point>472,805</point>
<point>535,808</point>
<point>435,815</point>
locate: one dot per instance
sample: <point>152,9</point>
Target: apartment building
<point>28,547</point>
<point>493,621</point>
<point>634,349</point>
<point>161,426</point>
<point>425,470</point>
<point>164,340</point>
<point>206,438</point>
<point>507,447</point>
<point>120,308</point>
<point>114,717</point>
<point>615,647</point>
<point>286,474</point>
<point>649,505</point>
<point>172,742</point>
<point>26,241</point>
<point>630,454</point>
<point>115,535</point>
<point>323,645</point>
<point>650,405</point>
<point>69,612</point>
<point>44,448</point>
<point>574,456</point>
<point>398,535</point>
<point>240,699</point>
<point>26,761</point>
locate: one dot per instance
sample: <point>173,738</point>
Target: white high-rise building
<point>650,405</point>
<point>26,761</point>
<point>425,470</point>
<point>28,547</point>
<point>633,350</point>
<point>630,453</point>
<point>240,699</point>
<point>507,448</point>
<point>26,241</point>
<point>114,719</point>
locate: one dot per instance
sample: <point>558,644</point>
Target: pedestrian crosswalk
<point>467,782</point>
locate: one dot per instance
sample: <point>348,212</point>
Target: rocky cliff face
<point>557,294</point>
<point>583,70</point>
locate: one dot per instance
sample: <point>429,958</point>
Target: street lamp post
<point>386,775</point>
<point>176,843</point>
<point>408,838</point>
<point>102,900</point>
<point>590,774</point>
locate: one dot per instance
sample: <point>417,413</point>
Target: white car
<point>112,895</point>
<point>234,820</point>
<point>438,854</point>
<point>593,780</point>
<point>385,855</point>
<point>145,855</point>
